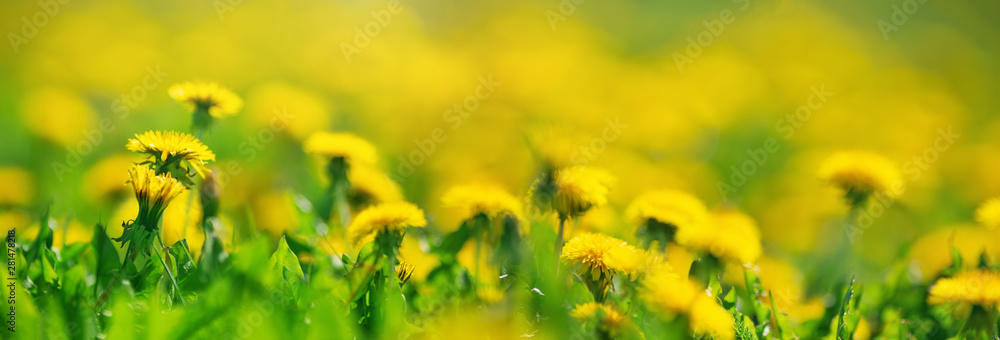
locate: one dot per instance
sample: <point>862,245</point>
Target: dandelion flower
<point>348,146</point>
<point>659,214</point>
<point>861,174</point>
<point>170,148</point>
<point>105,178</point>
<point>572,191</point>
<point>728,235</point>
<point>370,185</point>
<point>386,218</point>
<point>18,186</point>
<point>666,294</point>
<point>612,321</point>
<point>153,191</point>
<point>988,214</point>
<point>482,199</point>
<point>707,317</point>
<point>600,256</point>
<point>978,287</point>
<point>218,101</point>
<point>403,271</point>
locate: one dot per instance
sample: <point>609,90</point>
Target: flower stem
<point>180,295</point>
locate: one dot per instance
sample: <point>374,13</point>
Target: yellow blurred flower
<point>486,199</point>
<point>392,217</point>
<point>58,115</point>
<point>14,218</point>
<point>220,102</point>
<point>988,214</point>
<point>612,321</point>
<point>18,186</point>
<point>932,252</point>
<point>861,174</point>
<point>370,185</point>
<point>171,147</point>
<point>978,287</point>
<point>600,256</point>
<point>411,252</point>
<point>667,295</point>
<point>352,148</point>
<point>670,209</point>
<point>574,190</point>
<point>729,235</point>
<point>275,212</point>
<point>707,317</point>
<point>105,178</point>
<point>304,112</point>
<point>863,331</point>
<point>489,294</point>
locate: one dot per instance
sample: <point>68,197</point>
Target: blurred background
<point>663,94</point>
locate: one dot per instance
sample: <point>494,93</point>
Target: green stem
<point>180,295</point>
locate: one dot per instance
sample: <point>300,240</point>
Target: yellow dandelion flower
<point>403,271</point>
<point>708,317</point>
<point>600,256</point>
<point>370,185</point>
<point>486,199</point>
<point>218,101</point>
<point>104,179</point>
<point>988,214</point>
<point>383,218</point>
<point>667,295</point>
<point>978,287</point>
<point>489,294</point>
<point>676,208</point>
<point>572,191</point>
<point>16,219</point>
<point>18,186</point>
<point>171,147</point>
<point>352,148</point>
<point>861,174</point>
<point>729,235</point>
<point>612,320</point>
<point>153,191</point>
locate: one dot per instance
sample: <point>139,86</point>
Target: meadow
<point>257,169</point>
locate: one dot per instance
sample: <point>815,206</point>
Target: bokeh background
<point>565,70</point>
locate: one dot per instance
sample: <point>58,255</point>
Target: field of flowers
<point>733,169</point>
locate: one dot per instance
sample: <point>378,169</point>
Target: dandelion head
<point>393,217</point>
<point>729,235</point>
<point>707,317</point>
<point>978,287</point>
<point>370,185</point>
<point>600,256</point>
<point>18,186</point>
<point>572,191</point>
<point>860,174</point>
<point>666,211</point>
<point>403,271</point>
<point>611,319</point>
<point>152,190</point>
<point>170,148</point>
<point>667,294</point>
<point>352,148</point>
<point>482,199</point>
<point>218,101</point>
<point>988,214</point>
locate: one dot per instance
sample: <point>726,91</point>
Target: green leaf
<point>844,308</point>
<point>454,241</point>
<point>282,259</point>
<point>784,329</point>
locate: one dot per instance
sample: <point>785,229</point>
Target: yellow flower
<point>666,294</point>
<point>104,179</point>
<point>171,147</point>
<point>707,317</point>
<point>151,190</point>
<point>612,319</point>
<point>370,185</point>
<point>18,186</point>
<point>573,190</point>
<point>988,214</point>
<point>58,115</point>
<point>489,294</point>
<point>729,235</point>
<point>978,287</point>
<point>486,199</point>
<point>346,145</point>
<point>220,102</point>
<point>674,209</point>
<point>392,217</point>
<point>403,271</point>
<point>601,256</point>
<point>861,174</point>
